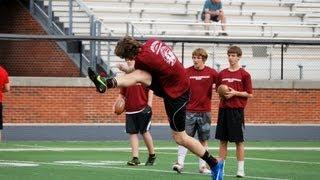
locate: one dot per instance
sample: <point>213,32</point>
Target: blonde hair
<point>200,52</point>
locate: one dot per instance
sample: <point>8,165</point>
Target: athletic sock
<point>152,155</point>
<point>182,152</point>
<point>240,165</point>
<point>210,160</point>
<point>202,163</point>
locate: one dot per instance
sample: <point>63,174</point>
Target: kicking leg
<point>102,83</point>
<point>216,165</point>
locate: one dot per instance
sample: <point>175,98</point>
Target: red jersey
<point>159,60</point>
<point>4,79</point>
<point>239,80</point>
<point>201,82</point>
<point>136,97</point>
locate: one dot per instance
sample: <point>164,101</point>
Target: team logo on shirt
<point>199,77</point>
<point>167,54</point>
<point>231,79</point>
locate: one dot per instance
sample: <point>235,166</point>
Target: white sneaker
<point>240,174</point>
<point>177,167</point>
<point>204,170</point>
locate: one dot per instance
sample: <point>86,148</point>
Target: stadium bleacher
<point>244,18</point>
<point>181,18</point>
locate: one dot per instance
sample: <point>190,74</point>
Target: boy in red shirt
<point>231,108</point>
<point>138,103</point>
<point>198,117</point>
<point>157,67</point>
<point>4,87</point>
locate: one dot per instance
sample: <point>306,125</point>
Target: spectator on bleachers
<point>212,10</point>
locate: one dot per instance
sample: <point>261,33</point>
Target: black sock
<point>210,160</point>
<point>152,155</point>
<point>111,83</point>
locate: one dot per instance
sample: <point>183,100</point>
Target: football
<point>119,106</point>
<point>222,90</point>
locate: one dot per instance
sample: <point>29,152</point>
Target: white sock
<point>202,163</point>
<point>182,152</point>
<point>241,166</point>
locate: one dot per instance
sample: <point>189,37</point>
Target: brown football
<point>119,106</point>
<point>222,90</point>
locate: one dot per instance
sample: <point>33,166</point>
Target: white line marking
<point>43,148</point>
<point>14,163</point>
<point>130,169</point>
<point>30,146</point>
<point>255,159</point>
<point>172,172</point>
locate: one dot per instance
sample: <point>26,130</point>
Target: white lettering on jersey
<point>231,79</point>
<point>199,77</point>
<point>165,52</point>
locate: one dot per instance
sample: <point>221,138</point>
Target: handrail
<point>194,11</point>
<point>227,24</point>
<point>90,13</point>
<point>197,2</point>
<point>266,29</point>
<point>221,40</point>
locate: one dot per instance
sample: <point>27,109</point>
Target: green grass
<point>100,160</point>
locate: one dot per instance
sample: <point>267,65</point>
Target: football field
<point>53,160</point>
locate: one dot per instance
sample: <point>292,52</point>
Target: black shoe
<point>97,80</point>
<point>150,160</point>
<point>177,167</point>
<point>133,162</point>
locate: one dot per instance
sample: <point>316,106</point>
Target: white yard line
<point>254,159</point>
<point>43,148</point>
<point>124,149</point>
<point>123,168</point>
<point>30,146</point>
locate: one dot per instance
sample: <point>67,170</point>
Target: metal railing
<point>93,56</point>
<point>279,69</point>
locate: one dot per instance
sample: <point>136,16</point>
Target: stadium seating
<point>172,17</point>
<point>181,18</point>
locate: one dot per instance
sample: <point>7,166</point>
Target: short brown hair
<point>200,52</point>
<point>127,47</point>
<point>235,49</point>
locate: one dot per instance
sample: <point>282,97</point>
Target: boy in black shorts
<point>157,67</point>
<point>231,108</point>
<point>138,103</point>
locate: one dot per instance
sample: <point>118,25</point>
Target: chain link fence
<point>264,59</point>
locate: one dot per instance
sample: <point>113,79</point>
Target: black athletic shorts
<point>175,108</point>
<point>1,120</point>
<point>230,125</point>
<point>155,87</point>
<point>212,18</point>
<point>139,122</point>
<point>176,111</point>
